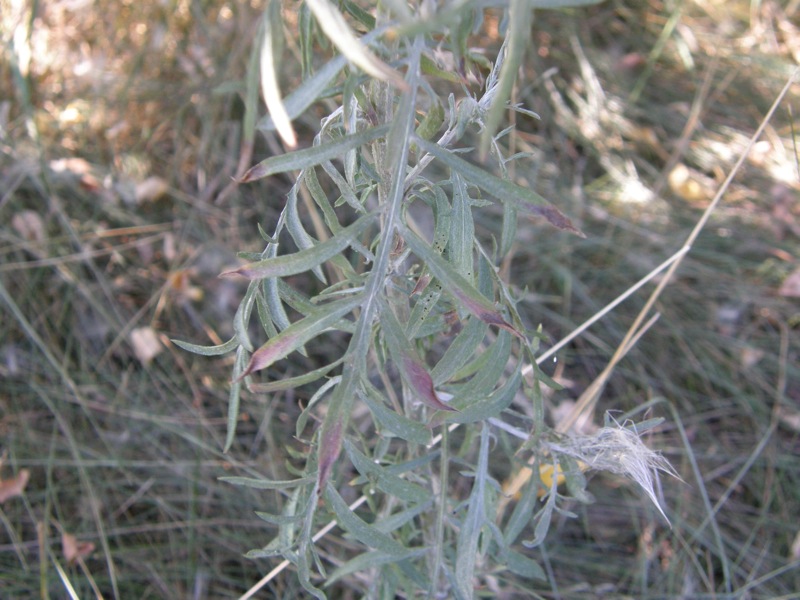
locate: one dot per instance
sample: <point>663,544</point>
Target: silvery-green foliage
<point>433,335</point>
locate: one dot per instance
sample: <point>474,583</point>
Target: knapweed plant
<point>376,251</point>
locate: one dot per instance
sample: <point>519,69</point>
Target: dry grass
<point>118,138</point>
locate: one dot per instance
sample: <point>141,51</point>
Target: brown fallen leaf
<point>151,189</point>
<point>145,344</point>
<point>29,226</point>
<point>14,486</point>
<point>74,550</point>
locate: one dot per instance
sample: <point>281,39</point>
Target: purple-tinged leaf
<point>422,283</point>
<point>421,383</point>
<point>466,294</point>
<point>297,334</point>
<point>330,445</point>
<point>502,189</point>
<point>411,368</point>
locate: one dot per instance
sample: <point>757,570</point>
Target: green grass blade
<point>470,532</point>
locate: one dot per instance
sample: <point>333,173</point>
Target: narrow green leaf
<point>299,234</point>
<point>272,297</point>
<point>333,23</point>
<point>517,40</point>
<point>430,67</point>
<point>279,520</point>
<point>360,529</point>
<point>466,294</point>
<point>545,515</point>
<point>300,423</point>
<point>384,480</point>
<point>432,122</point>
<point>234,396</point>
<point>294,382</point>
<point>268,552</point>
<point>321,200</point>
<point>524,566</point>
<point>265,318</point>
<point>462,229</point>
<point>303,260</point>
<point>271,46</point>
<point>306,35</point>
<point>399,425</point>
<point>523,509</point>
<point>412,370</point>
<point>332,430</point>
<point>313,87</point>
<point>348,194</point>
<point>486,407</point>
<point>509,232</point>
<point>308,157</point>
<point>371,560</point>
<point>228,346</point>
<point>266,484</point>
<point>241,320</point>
<point>492,370</point>
<point>461,349</point>
<point>398,519</point>
<point>297,334</point>
<point>442,213</point>
<point>469,534</point>
<point>525,199</point>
